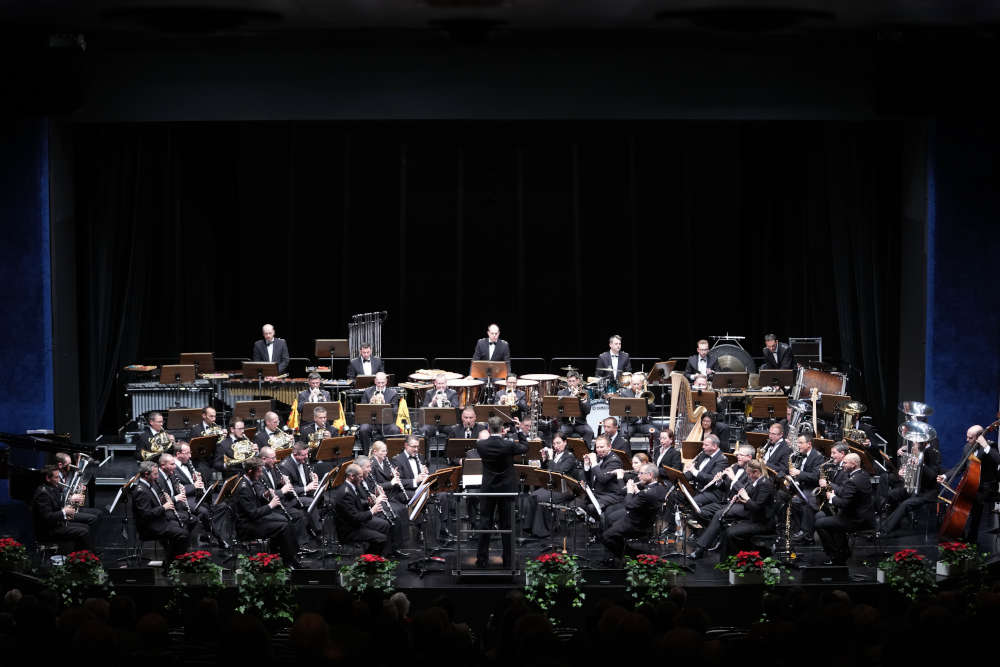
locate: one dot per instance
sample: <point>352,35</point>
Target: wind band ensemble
<point>627,479</point>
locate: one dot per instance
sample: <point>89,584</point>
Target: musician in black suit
<point>411,465</point>
<point>154,429</point>
<point>87,515</point>
<point>745,515</point>
<point>315,393</point>
<point>928,460</point>
<point>806,473</point>
<point>207,423</point>
<point>614,359</point>
<point>189,474</point>
<point>382,394</point>
<point>156,516</point>
<point>387,476</point>
<point>272,427</point>
<point>853,503</point>
<point>577,425</point>
<point>703,469</point>
<point>276,480</point>
<point>376,483</point>
<point>167,482</point>
<point>439,397</point>
<point>304,483</point>
<point>981,526</point>
<point>498,477</point>
<point>53,519</point>
<point>777,450</point>
<point>512,397</point>
<point>777,355</point>
<point>225,449</point>
<point>710,424</point>
<point>703,361</point>
<point>636,425</point>
<point>599,472</point>
<point>355,520</point>
<point>469,428</point>
<point>643,501</point>
<point>615,439</point>
<point>492,348</point>
<point>260,514</point>
<point>728,481</point>
<point>556,459</point>
<point>271,349</point>
<point>665,453</point>
<point>365,364</point>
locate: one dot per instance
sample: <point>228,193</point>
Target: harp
<point>685,416</point>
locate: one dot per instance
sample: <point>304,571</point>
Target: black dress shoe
<point>306,551</point>
<point>296,564</point>
<point>697,553</point>
<point>396,553</point>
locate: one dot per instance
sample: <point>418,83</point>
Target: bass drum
<point>734,359</point>
<point>599,411</point>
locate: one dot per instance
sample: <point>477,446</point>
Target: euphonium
<point>280,440</point>
<point>242,450</point>
<point>158,444</point>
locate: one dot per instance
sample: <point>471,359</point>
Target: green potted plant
<point>264,588</point>
<point>194,568</point>
<point>551,580</point>
<point>747,567</point>
<point>369,572</point>
<point>649,578</point>
<point>13,556</point>
<point>907,572</point>
<point>76,577</point>
<point>957,558</point>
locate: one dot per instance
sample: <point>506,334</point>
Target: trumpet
<point>378,398</point>
<point>580,392</point>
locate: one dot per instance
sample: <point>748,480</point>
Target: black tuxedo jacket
<point>150,517</point>
<point>46,506</point>
<point>383,477</point>
<point>584,407</point>
<point>458,431</point>
<point>604,361</point>
<point>390,396</point>
<point>692,365</point>
<point>352,511</point>
<point>142,442</point>
<point>248,502</point>
<point>450,394</point>
<point>303,397</point>
<point>671,459</point>
<point>733,486</point>
<point>498,463</point>
<point>778,458</point>
<point>642,507</point>
<point>602,478</point>
<point>808,477</point>
<point>262,437</point>
<point>622,444</point>
<point>223,449</point>
<point>355,368</point>
<point>500,353</point>
<point>405,472</point>
<point>854,498</point>
<point>310,428</point>
<point>279,353</point>
<point>717,464</point>
<point>786,359</point>
<point>181,479</point>
<point>519,400</point>
<point>197,429</point>
<point>567,465</point>
<point>756,509</point>
<point>290,468</point>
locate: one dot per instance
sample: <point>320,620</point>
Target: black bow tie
<point>412,458</point>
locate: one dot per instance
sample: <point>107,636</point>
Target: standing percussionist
<point>613,362</point>
<point>643,501</point>
<point>315,393</point>
<point>271,349</point>
<point>156,516</point>
<point>492,348</point>
<point>260,514</point>
<point>777,355</point>
<point>53,518</point>
<point>365,364</point>
<point>378,394</point>
<point>853,503</point>
<point>703,361</point>
<point>577,425</point>
<point>498,477</point>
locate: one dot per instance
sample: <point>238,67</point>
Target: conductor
<point>498,477</point>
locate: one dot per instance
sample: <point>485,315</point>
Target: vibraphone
<point>146,396</point>
<point>286,391</point>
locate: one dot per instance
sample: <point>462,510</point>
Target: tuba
<point>242,450</point>
<point>158,444</point>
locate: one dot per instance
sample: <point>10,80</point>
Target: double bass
<point>960,505</point>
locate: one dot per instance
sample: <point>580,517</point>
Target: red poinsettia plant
<point>908,572</point>
<point>76,577</point>
<point>649,578</point>
<point>264,588</point>
<point>369,572</point>
<point>958,553</point>
<point>553,579</point>
<point>13,555</point>
<point>750,562</point>
<point>266,562</point>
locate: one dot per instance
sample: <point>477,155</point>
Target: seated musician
<point>190,474</point>
<point>640,425</point>
<point>538,521</point>
<point>639,459</point>
<point>643,501</point>
<point>615,438</point>
<point>703,362</point>
<point>387,476</point>
<point>777,355</point>
<point>469,428</point>
<point>259,514</point>
<point>835,474</point>
<point>853,503</point>
<point>700,383</point>
<point>710,424</point>
<point>153,429</point>
<point>207,425</point>
<point>665,453</point>
<point>776,450</point>
<point>365,363</point>
<point>314,433</point>
<point>745,514</point>
<point>356,521</point>
<point>304,481</point>
<point>981,526</point>
<point>614,359</point>
<point>379,394</point>
<point>522,432</point>
<point>513,398</point>
<point>271,349</point>
<point>703,469</point>
<point>226,449</point>
<point>54,518</point>
<point>599,468</point>
<point>156,515</point>
<point>439,397</point>
<point>314,394</point>
<point>492,348</point>
<point>411,465</point>
<point>928,461</point>
<point>168,482</point>
<point>805,471</point>
<point>272,435</point>
<point>577,425</point>
<point>87,515</point>
<point>275,479</point>
<point>373,491</point>
<point>730,477</point>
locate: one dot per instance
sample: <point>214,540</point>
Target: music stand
<point>623,457</point>
<point>677,477</point>
<point>660,371</point>
<point>578,447</point>
<point>823,446</point>
<point>534,450</point>
<point>472,472</point>
<point>252,410</point>
<point>559,407</point>
<point>488,370</point>
<point>705,398</point>
<point>768,407</point>
<point>321,489</point>
<point>228,487</point>
<point>332,410</point>
<point>866,460</point>
<point>282,454</point>
<point>340,474</point>
<point>439,416</point>
<point>339,447</point>
<point>365,381</point>
<point>627,408</point>
<point>776,377</point>
<point>730,380</point>
<point>756,439</point>
<point>259,369</point>
<point>182,417</point>
<point>335,348</point>
<point>177,374</point>
<point>484,412</point>
<point>208,492</point>
<point>203,447</point>
<point>690,449</point>
<point>203,362</point>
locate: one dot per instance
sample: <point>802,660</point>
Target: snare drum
<point>547,382</point>
<point>467,390</point>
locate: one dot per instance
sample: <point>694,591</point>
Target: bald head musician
<point>492,348</point>
<point>271,349</point>
<point>855,511</point>
<point>981,527</point>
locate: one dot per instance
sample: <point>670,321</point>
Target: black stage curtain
<point>193,235</point>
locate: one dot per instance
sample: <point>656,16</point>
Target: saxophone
<point>158,444</point>
<point>242,450</point>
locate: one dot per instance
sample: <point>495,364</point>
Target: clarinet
<point>390,514</point>
<point>176,513</point>
<point>395,471</point>
<point>284,480</point>
<point>269,495</point>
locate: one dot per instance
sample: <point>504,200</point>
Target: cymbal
<point>609,370</point>
<point>915,409</point>
<point>853,408</point>
<point>569,368</point>
<point>915,431</point>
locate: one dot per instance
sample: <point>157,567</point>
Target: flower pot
<point>880,575</point>
<point>949,569</point>
<point>748,579</point>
